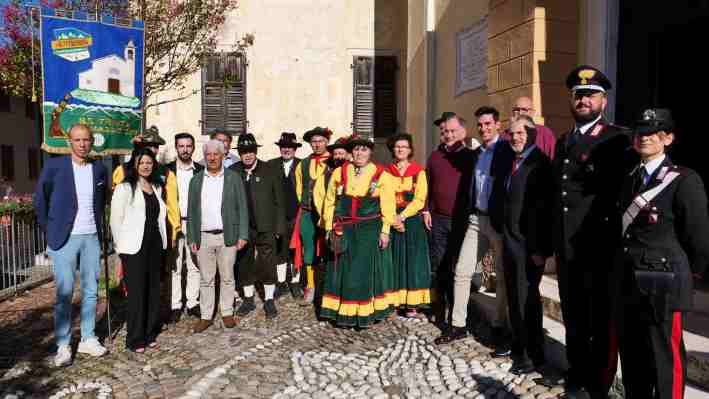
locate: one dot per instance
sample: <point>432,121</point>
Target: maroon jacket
<point>449,176</point>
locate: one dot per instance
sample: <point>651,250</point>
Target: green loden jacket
<point>235,212</point>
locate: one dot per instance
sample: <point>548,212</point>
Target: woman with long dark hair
<point>139,233</point>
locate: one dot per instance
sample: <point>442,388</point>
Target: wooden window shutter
<point>224,93</point>
<point>374,105</point>
<point>8,162</point>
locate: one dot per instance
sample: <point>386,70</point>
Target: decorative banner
<point>471,58</point>
<point>92,74</point>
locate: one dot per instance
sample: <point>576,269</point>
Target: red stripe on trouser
<point>677,371</point>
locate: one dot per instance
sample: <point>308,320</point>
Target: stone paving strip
<point>293,356</point>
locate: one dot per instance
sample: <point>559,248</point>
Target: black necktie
<point>639,180</point>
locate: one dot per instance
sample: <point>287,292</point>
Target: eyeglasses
<point>521,109</point>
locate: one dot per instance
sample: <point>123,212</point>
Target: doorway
<point>655,71</point>
<point>114,86</point>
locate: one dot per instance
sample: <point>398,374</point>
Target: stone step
<point>697,344</point>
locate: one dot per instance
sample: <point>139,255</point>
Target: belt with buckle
<point>213,231</point>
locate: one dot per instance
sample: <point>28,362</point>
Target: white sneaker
<point>63,356</point>
<point>91,347</point>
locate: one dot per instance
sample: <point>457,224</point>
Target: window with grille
<point>374,103</point>
<point>33,163</point>
<point>7,161</point>
<point>224,93</point>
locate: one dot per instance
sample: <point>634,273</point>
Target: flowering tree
<point>179,34</point>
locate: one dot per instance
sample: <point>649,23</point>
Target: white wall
<point>299,72</point>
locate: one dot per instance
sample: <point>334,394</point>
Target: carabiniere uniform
<point>666,240</point>
<point>587,175</point>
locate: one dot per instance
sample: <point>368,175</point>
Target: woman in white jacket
<point>138,226</point>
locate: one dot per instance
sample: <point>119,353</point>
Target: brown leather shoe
<point>230,321</point>
<point>201,325</point>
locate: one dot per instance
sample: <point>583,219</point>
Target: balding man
<point>546,140</point>
<point>69,202</point>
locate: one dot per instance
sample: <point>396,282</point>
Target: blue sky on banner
<point>107,40</point>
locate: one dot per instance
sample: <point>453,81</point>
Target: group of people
<point>628,229</point>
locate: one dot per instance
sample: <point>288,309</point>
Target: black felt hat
<point>247,142</point>
<point>586,77</point>
<point>444,117</point>
<point>342,142</point>
<point>654,120</point>
<point>356,140</point>
<point>289,140</point>
<point>317,131</point>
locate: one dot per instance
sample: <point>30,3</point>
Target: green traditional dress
<point>412,264</point>
<point>358,291</point>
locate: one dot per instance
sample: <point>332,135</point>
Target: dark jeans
<point>446,237</point>
<point>142,278</point>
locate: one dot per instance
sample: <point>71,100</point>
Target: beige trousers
<point>480,231</point>
<point>212,256</point>
<point>184,255</point>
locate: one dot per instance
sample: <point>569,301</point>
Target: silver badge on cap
<point>649,115</point>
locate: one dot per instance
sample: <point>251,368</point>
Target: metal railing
<point>23,258</point>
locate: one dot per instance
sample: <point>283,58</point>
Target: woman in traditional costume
<point>358,211</point>
<point>412,264</point>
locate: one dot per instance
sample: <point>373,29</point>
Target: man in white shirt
<point>217,227</point>
<point>69,202</point>
<point>184,168</point>
<point>226,137</point>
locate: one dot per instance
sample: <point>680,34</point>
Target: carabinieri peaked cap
<point>586,77</point>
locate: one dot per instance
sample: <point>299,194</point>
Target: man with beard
<point>184,167</point>
<point>527,244</point>
<point>309,235</point>
<point>284,166</point>
<point>267,223</point>
<point>588,169</point>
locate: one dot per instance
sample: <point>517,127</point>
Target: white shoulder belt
<point>643,198</point>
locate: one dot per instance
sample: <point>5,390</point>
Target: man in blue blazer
<point>69,202</point>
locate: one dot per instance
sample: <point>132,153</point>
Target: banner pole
<point>104,255</point>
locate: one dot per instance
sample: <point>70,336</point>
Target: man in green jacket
<point>217,228</point>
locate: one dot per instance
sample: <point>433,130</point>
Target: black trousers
<point>445,240</point>
<point>522,278</point>
<point>591,344</point>
<point>652,355</point>
<point>256,262</point>
<point>142,278</point>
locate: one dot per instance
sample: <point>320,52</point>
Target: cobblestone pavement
<point>292,356</point>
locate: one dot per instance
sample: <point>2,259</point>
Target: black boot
<point>247,306</point>
<point>451,334</point>
<point>270,308</point>
<point>175,316</point>
<point>296,290</point>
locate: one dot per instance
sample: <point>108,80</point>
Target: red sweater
<point>449,177</point>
